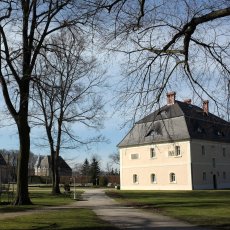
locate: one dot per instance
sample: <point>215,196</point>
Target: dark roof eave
<point>153,142</point>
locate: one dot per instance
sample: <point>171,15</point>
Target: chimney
<point>188,101</point>
<point>205,106</point>
<point>171,98</point>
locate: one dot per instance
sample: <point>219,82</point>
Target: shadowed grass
<point>62,219</point>
<point>41,197</point>
<point>55,218</point>
<point>204,208</point>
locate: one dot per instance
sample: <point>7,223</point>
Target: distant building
<point>178,147</point>
<point>43,167</point>
<point>3,170</point>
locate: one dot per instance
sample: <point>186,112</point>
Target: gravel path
<point>128,217</point>
<point>120,216</point>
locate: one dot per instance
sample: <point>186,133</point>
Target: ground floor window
<point>135,178</point>
<point>204,176</point>
<point>224,175</point>
<point>153,178</point>
<point>172,178</point>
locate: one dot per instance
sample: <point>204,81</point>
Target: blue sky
<point>111,130</point>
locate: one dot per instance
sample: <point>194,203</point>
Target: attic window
<point>218,133</point>
<point>155,130</point>
<point>152,133</point>
<point>163,114</point>
<point>199,130</point>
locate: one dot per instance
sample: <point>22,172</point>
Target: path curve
<point>111,211</point>
<point>127,217</point>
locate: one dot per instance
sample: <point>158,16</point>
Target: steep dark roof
<point>2,160</point>
<point>177,122</point>
<point>45,161</point>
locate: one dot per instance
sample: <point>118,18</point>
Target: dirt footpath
<point>120,216</point>
<point>128,217</point>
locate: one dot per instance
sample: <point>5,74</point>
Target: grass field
<point>62,219</point>
<point>204,208</point>
<point>67,218</point>
<point>40,197</point>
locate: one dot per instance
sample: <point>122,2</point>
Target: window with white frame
<point>177,150</point>
<point>135,178</point>
<point>152,153</point>
<point>204,176</point>
<point>134,156</point>
<point>172,178</point>
<point>153,178</point>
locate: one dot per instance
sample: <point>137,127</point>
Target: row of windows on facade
<point>203,151</point>
<point>172,177</point>
<point>153,178</point>
<point>176,152</point>
<point>224,175</point>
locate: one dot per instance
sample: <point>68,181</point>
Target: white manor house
<point>178,147</point>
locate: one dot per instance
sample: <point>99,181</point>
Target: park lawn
<point>60,219</point>
<point>57,218</point>
<point>41,197</point>
<point>203,208</point>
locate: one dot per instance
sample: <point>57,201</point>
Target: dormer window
<point>218,132</point>
<point>153,133</point>
<point>163,114</point>
<point>199,130</point>
<point>155,130</point>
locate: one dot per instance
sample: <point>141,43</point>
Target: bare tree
<point>169,44</point>
<point>66,94</point>
<point>24,26</point>
<point>115,158</point>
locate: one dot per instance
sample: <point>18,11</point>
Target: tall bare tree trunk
<point>57,177</point>
<point>22,196</point>
<point>55,174</point>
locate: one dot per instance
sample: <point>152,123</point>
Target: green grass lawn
<point>62,219</point>
<point>40,197</point>
<point>67,218</point>
<point>204,208</point>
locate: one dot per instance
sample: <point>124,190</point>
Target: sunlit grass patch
<point>204,208</point>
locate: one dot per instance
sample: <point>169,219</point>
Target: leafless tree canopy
<point>24,27</point>
<point>171,45</point>
<point>66,93</point>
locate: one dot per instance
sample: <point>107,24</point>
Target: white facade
<point>181,165</point>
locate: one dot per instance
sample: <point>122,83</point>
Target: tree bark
<point>55,174</point>
<point>57,177</point>
<point>22,195</point>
